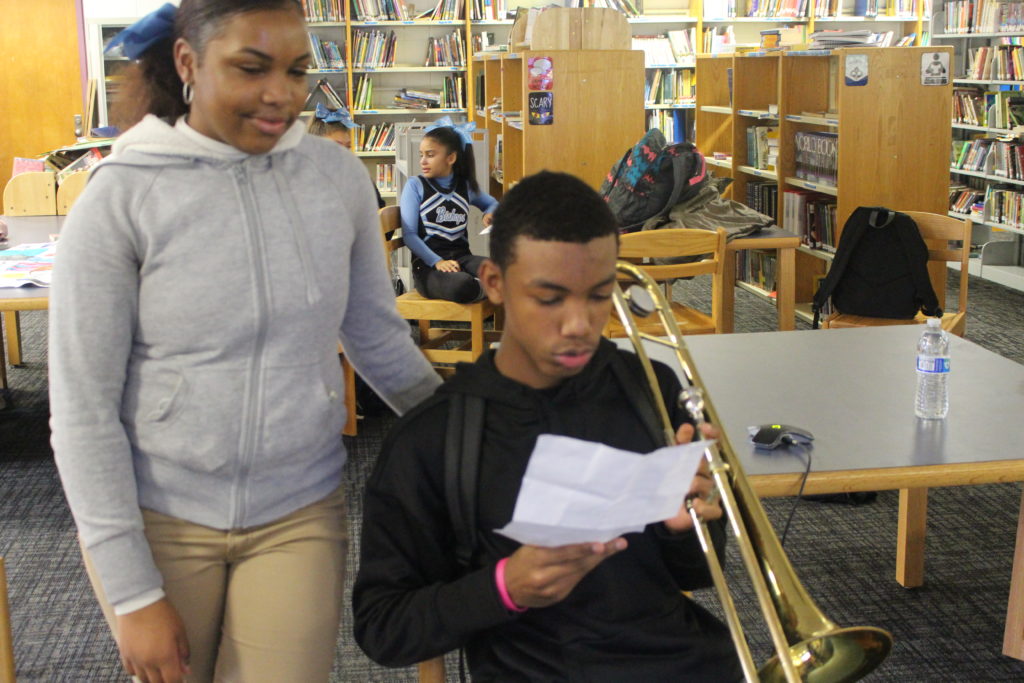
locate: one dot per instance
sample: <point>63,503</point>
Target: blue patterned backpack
<point>651,178</point>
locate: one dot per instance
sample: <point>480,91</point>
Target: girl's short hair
<point>152,85</point>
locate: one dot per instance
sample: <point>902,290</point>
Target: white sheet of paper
<point>578,491</point>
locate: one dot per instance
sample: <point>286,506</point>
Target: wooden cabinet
<point>572,102</point>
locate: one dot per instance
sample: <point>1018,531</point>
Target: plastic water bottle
<point>932,372</point>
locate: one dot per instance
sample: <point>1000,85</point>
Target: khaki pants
<point>259,604</point>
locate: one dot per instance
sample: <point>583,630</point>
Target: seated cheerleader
<point>435,214</point>
<point>336,124</point>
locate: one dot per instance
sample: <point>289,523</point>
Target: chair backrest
<point>676,243</point>
<point>938,231</point>
<point>390,221</point>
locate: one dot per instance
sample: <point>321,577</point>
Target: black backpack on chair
<point>880,268</point>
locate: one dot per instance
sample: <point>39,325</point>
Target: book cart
<point>892,144</point>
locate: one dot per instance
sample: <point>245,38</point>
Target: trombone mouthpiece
<point>692,398</point>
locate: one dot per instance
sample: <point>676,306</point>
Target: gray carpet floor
<point>948,630</point>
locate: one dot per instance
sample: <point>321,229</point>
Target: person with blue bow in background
<point>337,125</point>
<point>435,214</point>
<point>201,285</point>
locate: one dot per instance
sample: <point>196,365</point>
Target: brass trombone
<point>808,646</point>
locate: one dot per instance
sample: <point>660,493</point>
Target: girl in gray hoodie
<point>202,283</point>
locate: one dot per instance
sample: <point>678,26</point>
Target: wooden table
<point>22,230</point>
<point>854,390</point>
<point>785,244</point>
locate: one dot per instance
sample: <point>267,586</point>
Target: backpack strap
<point>463,436</point>
<point>853,229</point>
<point>917,257</point>
<point>638,393</point>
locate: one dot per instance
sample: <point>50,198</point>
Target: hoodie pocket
<point>304,412</point>
<point>191,419</point>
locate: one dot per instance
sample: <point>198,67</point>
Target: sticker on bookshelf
<point>935,68</point>
<point>541,73</point>
<point>542,108</point>
<point>856,70</point>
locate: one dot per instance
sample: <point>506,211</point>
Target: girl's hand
<point>447,266</point>
<point>153,644</point>
<point>488,219</point>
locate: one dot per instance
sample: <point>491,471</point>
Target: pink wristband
<point>499,582</point>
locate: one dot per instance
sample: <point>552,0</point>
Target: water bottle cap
<point>934,322</point>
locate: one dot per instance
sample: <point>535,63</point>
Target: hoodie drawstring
<point>298,233</point>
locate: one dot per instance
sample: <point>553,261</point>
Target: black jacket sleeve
<point>411,600</point>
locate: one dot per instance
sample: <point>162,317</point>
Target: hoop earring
<point>186,93</point>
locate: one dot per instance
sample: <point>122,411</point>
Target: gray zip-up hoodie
<point>198,297</point>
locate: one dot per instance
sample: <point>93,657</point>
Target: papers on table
<point>580,492</point>
<point>27,264</point>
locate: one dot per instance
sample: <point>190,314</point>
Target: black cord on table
<point>796,448</point>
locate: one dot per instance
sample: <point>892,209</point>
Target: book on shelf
<point>323,10</point>
<point>488,10</point>
<point>327,54</point>
<point>683,43</point>
<point>625,6</point>
<point>384,177</point>
<point>84,162</point>
<point>763,147</point>
<point>373,48</point>
<point>323,92</point>
<point>656,48</point>
<point>811,215</point>
<point>777,9</point>
<point>380,10</point>
<point>364,93</point>
<point>445,51</point>
<point>23,165</point>
<point>817,156</point>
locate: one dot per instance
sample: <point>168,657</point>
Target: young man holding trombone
<point>435,577</point>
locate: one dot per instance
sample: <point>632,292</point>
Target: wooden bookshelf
<point>893,132</point>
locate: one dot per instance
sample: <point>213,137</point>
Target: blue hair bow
<point>337,116</point>
<point>145,32</point>
<point>463,129</point>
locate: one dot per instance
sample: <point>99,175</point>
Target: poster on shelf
<point>935,68</point>
<point>541,73</point>
<point>541,108</point>
<point>856,70</point>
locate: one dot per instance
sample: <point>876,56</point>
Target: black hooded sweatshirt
<point>627,620</point>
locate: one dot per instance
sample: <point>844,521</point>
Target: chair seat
<point>690,321</point>
<point>953,322</point>
<point>414,306</point>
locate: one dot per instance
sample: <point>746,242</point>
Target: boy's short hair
<point>550,207</point>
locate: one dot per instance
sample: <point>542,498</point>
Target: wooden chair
<point>674,243</point>
<point>6,640</point>
<point>469,343</point>
<point>938,231</point>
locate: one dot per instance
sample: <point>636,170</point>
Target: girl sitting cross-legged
<point>435,214</point>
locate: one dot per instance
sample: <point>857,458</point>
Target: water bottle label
<point>932,365</point>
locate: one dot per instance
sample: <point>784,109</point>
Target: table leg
<point>6,640</point>
<point>3,360</point>
<point>728,291</point>
<point>785,288</point>
<point>910,537</point>
<point>12,323</point>
<point>348,372</point>
<point>1013,636</point>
